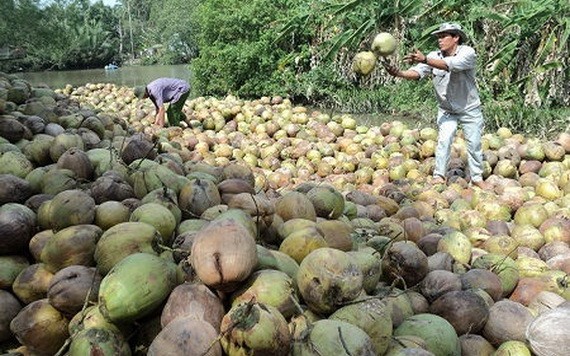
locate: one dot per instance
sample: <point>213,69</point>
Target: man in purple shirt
<point>166,90</point>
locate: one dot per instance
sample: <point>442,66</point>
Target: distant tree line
<point>304,48</point>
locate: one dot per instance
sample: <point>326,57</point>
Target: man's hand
<point>391,68</point>
<point>415,57</point>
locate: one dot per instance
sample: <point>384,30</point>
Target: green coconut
<point>71,207</point>
<point>512,347</point>
<point>273,259</point>
<point>503,266</point>
<point>57,180</point>
<point>63,142</point>
<point>123,240</point>
<point>99,341</point>
<point>457,245</point>
<point>15,163</point>
<point>255,327</point>
<point>327,337</point>
<point>10,267</point>
<point>370,264</point>
<point>327,201</point>
<point>438,333</point>
<point>302,242</point>
<point>135,287</point>
<point>111,213</point>
<point>158,216</point>
<point>73,245</point>
<point>328,278</point>
<point>270,287</point>
<point>166,197</point>
<point>384,44</point>
<point>295,204</point>
<point>364,63</point>
<point>373,317</point>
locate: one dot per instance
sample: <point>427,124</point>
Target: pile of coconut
<point>261,227</point>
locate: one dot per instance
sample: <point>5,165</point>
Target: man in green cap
<point>166,90</point>
<point>452,69</point>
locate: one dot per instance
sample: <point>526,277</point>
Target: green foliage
<point>236,50</point>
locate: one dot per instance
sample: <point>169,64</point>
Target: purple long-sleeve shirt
<point>166,90</point>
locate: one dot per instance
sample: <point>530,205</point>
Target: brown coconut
<point>71,287</point>
<point>111,185</point>
<point>186,336</point>
<point>193,301</point>
<point>32,283</point>
<point>77,161</point>
<point>478,278</point>
<point>465,310</point>
<point>507,320</point>
<point>404,263</point>
<point>14,189</point>
<point>9,308</point>
<point>336,233</point>
<point>40,327</point>
<point>475,345</point>
<point>224,254</point>
<point>548,334</point>
<point>18,224</point>
<point>439,282</point>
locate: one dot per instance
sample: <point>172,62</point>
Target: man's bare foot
<point>482,185</point>
<point>437,180</point>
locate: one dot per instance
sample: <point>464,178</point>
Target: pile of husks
<point>260,227</point>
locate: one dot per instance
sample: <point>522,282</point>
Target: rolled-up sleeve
<point>465,59</point>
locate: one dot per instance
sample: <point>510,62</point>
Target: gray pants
<point>472,124</point>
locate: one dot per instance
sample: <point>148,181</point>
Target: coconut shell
<point>72,286</point>
<point>194,301</point>
<point>111,186</point>
<point>549,331</point>
<point>13,130</point>
<point>336,233</point>
<point>138,147</point>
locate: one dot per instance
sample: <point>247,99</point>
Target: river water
<point>124,76</point>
